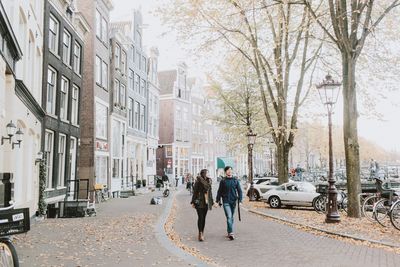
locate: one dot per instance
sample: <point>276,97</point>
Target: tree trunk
<point>350,134</point>
<point>283,162</point>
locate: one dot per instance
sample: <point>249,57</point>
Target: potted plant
<point>144,183</point>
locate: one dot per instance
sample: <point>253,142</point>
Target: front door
<point>72,167</point>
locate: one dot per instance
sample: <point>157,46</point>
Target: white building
<point>20,95</point>
<point>153,117</point>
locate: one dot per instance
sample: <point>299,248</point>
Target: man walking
<point>229,191</point>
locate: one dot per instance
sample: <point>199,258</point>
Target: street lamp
<point>10,128</point>
<point>329,92</point>
<point>251,139</point>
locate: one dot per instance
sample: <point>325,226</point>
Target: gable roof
<point>166,80</point>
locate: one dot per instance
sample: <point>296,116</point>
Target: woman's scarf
<point>207,191</point>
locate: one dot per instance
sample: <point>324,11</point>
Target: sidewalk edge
<point>163,239</point>
<point>372,241</point>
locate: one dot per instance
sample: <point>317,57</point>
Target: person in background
<point>229,191</point>
<point>202,200</point>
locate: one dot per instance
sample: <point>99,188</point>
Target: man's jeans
<point>229,209</point>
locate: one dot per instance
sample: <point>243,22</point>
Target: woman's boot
<point>201,236</point>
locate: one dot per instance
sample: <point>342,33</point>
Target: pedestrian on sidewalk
<point>202,200</point>
<point>230,192</point>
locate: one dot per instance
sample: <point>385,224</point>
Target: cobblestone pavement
<point>263,242</point>
<point>122,234</point>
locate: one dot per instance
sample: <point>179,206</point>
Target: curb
<point>372,241</point>
<point>163,239</point>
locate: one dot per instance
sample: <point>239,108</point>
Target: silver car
<point>291,194</point>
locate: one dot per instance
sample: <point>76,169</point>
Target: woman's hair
<point>203,173</point>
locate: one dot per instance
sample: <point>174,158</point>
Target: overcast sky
<point>385,133</point>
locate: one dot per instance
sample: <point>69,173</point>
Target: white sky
<point>385,132</point>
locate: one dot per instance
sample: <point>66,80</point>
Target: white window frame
<point>136,111</point>
<point>75,104</point>
<point>98,63</point>
<point>54,34</point>
<point>53,83</point>
<point>117,56</point>
<point>64,90</point>
<point>49,150</point>
<point>131,80</point>
<point>122,95</point>
<point>101,121</point>
<point>61,159</point>
<point>116,94</point>
<point>142,117</point>
<point>104,30</point>
<point>123,62</point>
<point>104,75</point>
<point>67,47</point>
<point>77,57</point>
<point>98,24</point>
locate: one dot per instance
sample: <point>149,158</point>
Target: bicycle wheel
<point>343,205</point>
<point>368,207</point>
<point>395,215</point>
<point>381,212</point>
<point>8,254</point>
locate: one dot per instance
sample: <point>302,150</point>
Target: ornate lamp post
<point>251,141</point>
<point>329,92</point>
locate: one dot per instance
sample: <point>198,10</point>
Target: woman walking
<point>202,200</point>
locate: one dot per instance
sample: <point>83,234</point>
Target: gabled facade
<point>64,30</point>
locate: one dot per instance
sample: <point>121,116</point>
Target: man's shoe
<point>231,236</point>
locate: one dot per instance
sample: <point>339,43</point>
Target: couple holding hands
<point>229,191</point>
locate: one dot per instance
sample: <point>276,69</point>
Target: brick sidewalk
<point>263,242</point>
<point>122,234</point>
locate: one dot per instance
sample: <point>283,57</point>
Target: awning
<point>225,161</point>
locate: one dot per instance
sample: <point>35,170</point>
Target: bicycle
<point>12,221</point>
<point>395,214</point>
<point>166,189</point>
<point>321,201</point>
<point>382,208</point>
<point>101,193</point>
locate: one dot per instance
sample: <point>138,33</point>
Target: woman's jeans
<point>201,221</point>
<point>229,209</point>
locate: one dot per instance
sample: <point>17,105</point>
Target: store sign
<point>102,146</point>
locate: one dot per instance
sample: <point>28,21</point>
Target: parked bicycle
<point>166,189</point>
<point>369,202</point>
<point>321,201</point>
<point>12,222</point>
<point>101,192</point>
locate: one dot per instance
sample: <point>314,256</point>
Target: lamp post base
<point>251,193</point>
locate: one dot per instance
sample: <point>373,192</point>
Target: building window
<point>101,121</point>
<point>61,160</point>
<point>64,98</point>
<point>67,47</point>
<point>77,58</point>
<point>137,79</point>
<point>130,113</point>
<point>98,70</point>
<point>142,118</point>
<point>101,73</point>
<point>168,151</point>
<point>53,34</point>
<point>98,24</point>
<point>122,92</point>
<point>104,30</point>
<point>144,64</point>
<point>138,60</point>
<point>132,53</point>
<point>75,104</point>
<point>51,91</point>
<point>123,62</point>
<point>131,77</point>
<point>116,92</point>
<point>136,109</point>
<point>101,169</point>
<point>104,75</point>
<point>117,56</point>
<point>48,149</point>
<point>143,87</point>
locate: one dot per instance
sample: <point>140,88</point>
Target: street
<point>124,234</point>
<point>263,242</point>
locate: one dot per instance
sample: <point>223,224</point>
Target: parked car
<point>300,194</point>
<point>262,185</point>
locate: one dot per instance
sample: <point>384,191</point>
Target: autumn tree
<point>348,24</point>
<point>274,37</point>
